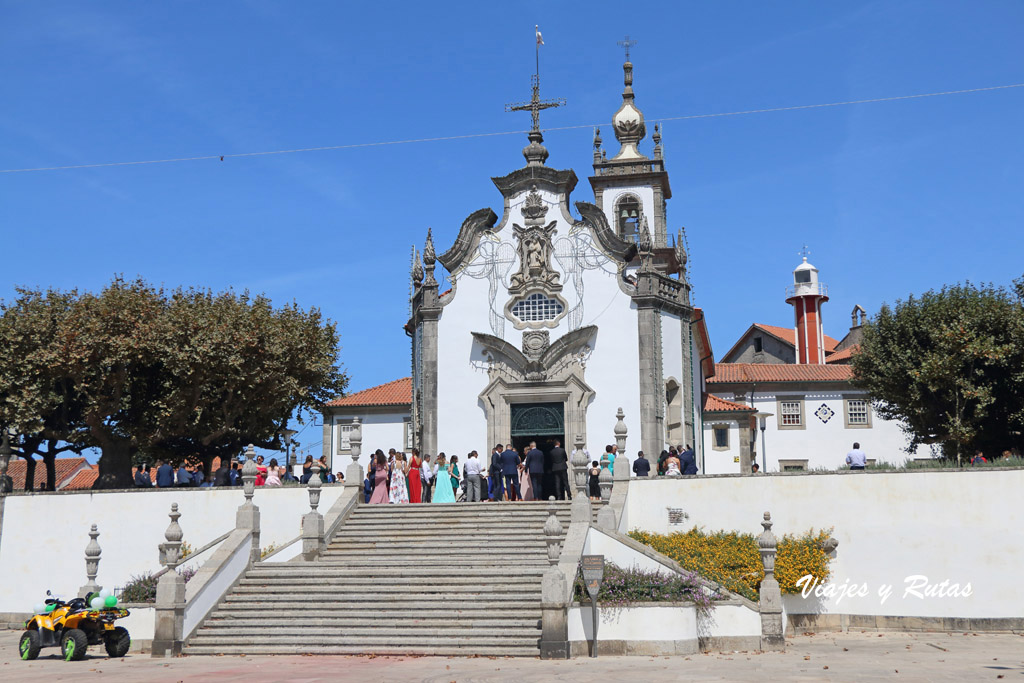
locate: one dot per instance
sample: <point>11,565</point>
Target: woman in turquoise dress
<point>443,492</point>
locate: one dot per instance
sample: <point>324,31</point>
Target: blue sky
<point>892,198</point>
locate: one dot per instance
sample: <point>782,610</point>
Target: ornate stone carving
<point>509,362</point>
<point>428,260</point>
<point>770,605</point>
<point>249,474</point>
<point>92,563</point>
<point>535,343</point>
<point>553,533</point>
<point>535,271</point>
<point>170,550</point>
<point>417,270</point>
<point>610,242</point>
<point>472,228</point>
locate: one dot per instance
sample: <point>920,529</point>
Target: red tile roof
<point>83,480</point>
<point>713,404</point>
<point>395,393</point>
<point>845,354</point>
<point>788,335</point>
<point>63,469</point>
<point>761,372</point>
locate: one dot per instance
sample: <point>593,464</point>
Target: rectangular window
<point>857,411</point>
<point>791,414</point>
<point>344,432</point>
<point>758,345</point>
<point>720,434</point>
<point>407,425</point>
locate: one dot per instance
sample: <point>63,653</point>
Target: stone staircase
<point>430,579</point>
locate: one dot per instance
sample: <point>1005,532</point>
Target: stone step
<point>495,555</point>
<point>314,639</point>
<point>396,649</point>
<point>260,623</point>
<point>340,589</point>
<point>367,614</point>
<point>276,632</point>
<point>284,572</point>
<point>447,531</point>
<point>466,601</point>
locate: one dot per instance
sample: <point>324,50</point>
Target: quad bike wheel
<point>73,644</point>
<point>117,642</point>
<point>29,645</point>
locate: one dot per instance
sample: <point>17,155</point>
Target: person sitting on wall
<point>755,468</point>
<point>856,459</point>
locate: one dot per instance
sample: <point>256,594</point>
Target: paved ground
<point>825,657</point>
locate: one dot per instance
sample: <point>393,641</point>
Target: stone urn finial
<point>355,438</point>
<point>92,563</point>
<point>249,474</point>
<point>171,548</point>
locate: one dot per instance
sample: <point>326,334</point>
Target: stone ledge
<point>818,473</point>
<point>871,622</point>
<point>639,648</point>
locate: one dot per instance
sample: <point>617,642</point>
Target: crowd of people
<point>507,475</point>
<point>167,475</point>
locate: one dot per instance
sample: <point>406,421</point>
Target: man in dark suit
<point>494,474</point>
<point>560,471</point>
<point>510,473</point>
<point>535,466</point>
<point>222,477</point>
<point>687,461</point>
<point>164,475</point>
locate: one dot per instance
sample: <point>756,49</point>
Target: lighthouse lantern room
<point>807,295</point>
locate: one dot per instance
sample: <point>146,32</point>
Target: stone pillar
<point>313,543</point>
<point>581,511</point>
<point>428,442</point>
<point>170,593</point>
<point>770,606</point>
<point>6,485</point>
<point>652,394</point>
<point>354,472</point>
<point>248,515</point>
<point>606,516</point>
<point>554,640</point>
<point>92,564</point>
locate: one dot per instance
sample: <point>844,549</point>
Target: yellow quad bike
<point>74,626</point>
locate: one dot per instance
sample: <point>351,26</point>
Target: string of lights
<point>447,138</point>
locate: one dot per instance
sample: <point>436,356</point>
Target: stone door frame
<point>498,396</point>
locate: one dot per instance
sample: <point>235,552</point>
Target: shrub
<point>733,560</point>
<point>142,588</point>
<point>621,587</point>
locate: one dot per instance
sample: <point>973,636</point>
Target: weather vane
<point>626,43</point>
<point>536,105</point>
<point>805,252</point>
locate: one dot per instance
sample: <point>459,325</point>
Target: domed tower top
<point>806,295</point>
<point>628,121</point>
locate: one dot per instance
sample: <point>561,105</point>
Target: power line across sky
<point>222,157</point>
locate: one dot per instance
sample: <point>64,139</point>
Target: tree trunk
<point>30,473</point>
<point>115,465</point>
<point>50,462</point>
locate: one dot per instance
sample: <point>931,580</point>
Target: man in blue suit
<point>535,466</point>
<point>510,473</point>
<point>688,461</point>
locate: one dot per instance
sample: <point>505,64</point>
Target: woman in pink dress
<point>525,484</point>
<point>380,479</point>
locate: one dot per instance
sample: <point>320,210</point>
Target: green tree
<point>136,373</point>
<point>949,366</point>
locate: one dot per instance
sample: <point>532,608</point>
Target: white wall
<point>612,369</point>
<point>43,536</point>
<point>721,462</point>
<point>955,526</point>
<point>822,444</point>
<point>380,430</point>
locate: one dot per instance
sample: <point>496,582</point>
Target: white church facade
<point>553,323</point>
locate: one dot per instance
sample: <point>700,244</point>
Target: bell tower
<point>807,294</point>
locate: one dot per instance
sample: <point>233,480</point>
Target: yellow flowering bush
<point>733,560</point>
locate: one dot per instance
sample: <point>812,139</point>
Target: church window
<point>407,432</point>
<point>628,213</point>
<point>791,414</point>
<point>537,307</point>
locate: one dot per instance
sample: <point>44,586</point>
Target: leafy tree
<point>133,370</point>
<point>35,399</point>
<point>950,366</point>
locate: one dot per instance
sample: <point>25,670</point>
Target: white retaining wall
<point>43,536</point>
<point>957,526</point>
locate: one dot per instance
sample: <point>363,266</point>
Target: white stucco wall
<point>611,370</point>
<point>380,430</point>
<point>955,526</point>
<point>824,444</point>
<point>641,623</point>
<point>43,536</point>
<point>716,461</point>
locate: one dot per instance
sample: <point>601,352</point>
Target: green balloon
<point>111,601</point>
<point>49,608</point>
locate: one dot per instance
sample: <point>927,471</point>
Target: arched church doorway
<point>542,423</point>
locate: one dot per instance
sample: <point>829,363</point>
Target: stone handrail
<point>215,578</point>
<point>193,555</point>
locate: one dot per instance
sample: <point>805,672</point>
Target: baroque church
<point>581,330</point>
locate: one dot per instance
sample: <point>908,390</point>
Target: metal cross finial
<point>626,43</point>
<point>536,105</point>
<point>805,252</point>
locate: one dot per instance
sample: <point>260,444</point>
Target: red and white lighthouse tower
<point>807,295</point>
